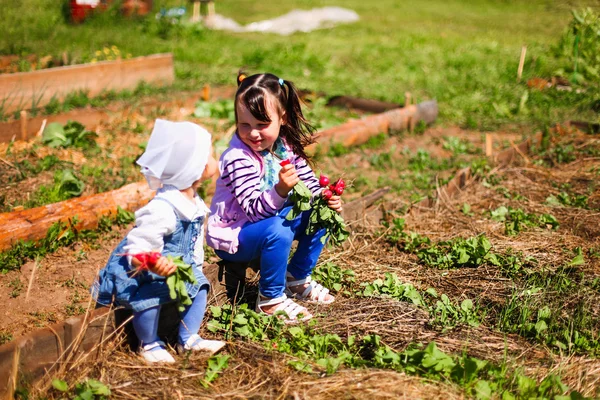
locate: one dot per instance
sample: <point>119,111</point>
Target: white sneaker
<point>156,353</point>
<point>196,343</point>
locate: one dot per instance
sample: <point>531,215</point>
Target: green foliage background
<point>463,53</point>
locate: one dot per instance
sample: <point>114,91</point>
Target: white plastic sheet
<point>294,21</point>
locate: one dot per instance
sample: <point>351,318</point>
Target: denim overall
<point>119,284</point>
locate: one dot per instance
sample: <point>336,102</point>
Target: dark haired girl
<point>249,207</point>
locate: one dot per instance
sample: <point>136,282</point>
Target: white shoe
<point>196,343</point>
<point>156,353</point>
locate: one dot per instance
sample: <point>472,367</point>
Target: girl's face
<point>258,135</point>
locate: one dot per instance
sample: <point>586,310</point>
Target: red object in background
<point>80,9</point>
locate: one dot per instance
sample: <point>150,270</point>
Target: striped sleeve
<point>242,178</point>
<point>307,175</point>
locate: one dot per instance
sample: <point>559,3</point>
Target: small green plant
<point>458,146</point>
<point>337,150</point>
<point>515,220</point>
<point>445,313</point>
<point>72,134</point>
<point>375,142</point>
<point>466,210</point>
<point>17,287</point>
<point>458,253</point>
<point>568,199</point>
<point>391,286</point>
<point>381,161</point>
<point>5,337</point>
<point>580,46</point>
<point>66,185</point>
<point>441,310</point>
<point>223,109</point>
<point>215,366</point>
<point>90,389</point>
<point>335,278</point>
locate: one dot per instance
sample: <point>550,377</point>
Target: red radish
<point>327,194</point>
<point>341,183</point>
<point>324,181</point>
<point>147,260</point>
<point>338,190</point>
<point>285,162</point>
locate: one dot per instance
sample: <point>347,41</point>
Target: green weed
<point>440,308</point>
<point>66,185</point>
<point>89,389</point>
<point>568,199</point>
<point>516,220</point>
<point>5,337</point>
<point>309,349</point>
<point>333,277</point>
<point>215,366</point>
<point>17,287</point>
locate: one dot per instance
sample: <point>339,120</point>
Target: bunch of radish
<point>176,281</point>
<point>321,216</point>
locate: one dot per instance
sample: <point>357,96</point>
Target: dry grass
<point>255,372</point>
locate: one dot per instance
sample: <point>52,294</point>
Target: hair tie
<point>280,82</point>
<point>241,77</point>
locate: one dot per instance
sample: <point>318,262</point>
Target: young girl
<point>177,159</point>
<point>249,207</point>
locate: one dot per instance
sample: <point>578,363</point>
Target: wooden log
<point>357,132</point>
<point>32,224</point>
<point>374,106</point>
<point>27,90</point>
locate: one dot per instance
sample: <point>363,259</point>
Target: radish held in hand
<point>321,215</point>
<point>176,281</point>
<point>147,260</point>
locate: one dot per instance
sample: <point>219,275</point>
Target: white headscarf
<point>176,154</point>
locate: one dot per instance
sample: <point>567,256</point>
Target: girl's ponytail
<point>297,131</point>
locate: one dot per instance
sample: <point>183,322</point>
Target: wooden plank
<point>32,224</point>
<point>26,90</point>
<point>92,117</point>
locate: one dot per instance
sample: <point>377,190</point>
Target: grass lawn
<point>463,53</point>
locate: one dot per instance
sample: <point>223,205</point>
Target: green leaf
<point>54,135</point>
<point>483,390</point>
<point>60,385</point>
<point>466,305</point>
<point>578,260</point>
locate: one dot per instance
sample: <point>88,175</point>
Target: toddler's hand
<point>163,267</point>
<point>335,203</point>
<point>288,178</point>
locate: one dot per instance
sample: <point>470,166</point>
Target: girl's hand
<point>287,180</point>
<point>335,203</point>
<point>163,267</point>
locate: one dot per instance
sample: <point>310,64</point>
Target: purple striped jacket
<point>238,198</point>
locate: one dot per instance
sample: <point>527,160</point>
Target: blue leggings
<point>145,323</point>
<point>270,239</point>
